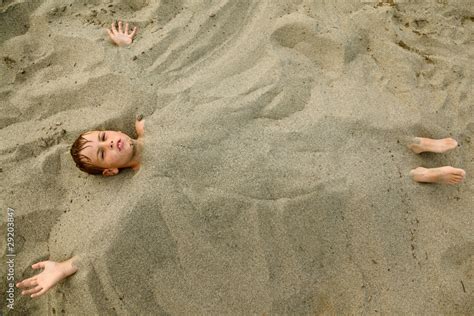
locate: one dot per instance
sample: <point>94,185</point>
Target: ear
<point>110,172</point>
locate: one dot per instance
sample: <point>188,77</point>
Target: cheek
<point>115,157</point>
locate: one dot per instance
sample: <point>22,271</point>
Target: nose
<point>111,144</point>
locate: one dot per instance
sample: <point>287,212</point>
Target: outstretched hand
<point>52,273</point>
<point>121,37</point>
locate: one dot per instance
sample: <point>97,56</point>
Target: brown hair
<point>82,161</point>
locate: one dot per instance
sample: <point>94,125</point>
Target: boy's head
<point>103,152</point>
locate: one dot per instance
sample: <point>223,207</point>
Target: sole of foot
<point>444,175</point>
<point>420,145</point>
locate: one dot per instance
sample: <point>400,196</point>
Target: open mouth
<point>120,145</point>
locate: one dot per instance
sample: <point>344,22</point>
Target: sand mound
<point>276,170</point>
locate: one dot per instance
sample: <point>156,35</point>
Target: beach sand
<point>275,176</point>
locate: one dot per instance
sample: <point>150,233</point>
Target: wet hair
<point>82,161</point>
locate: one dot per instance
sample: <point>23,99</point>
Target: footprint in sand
<point>15,19</point>
<point>321,49</point>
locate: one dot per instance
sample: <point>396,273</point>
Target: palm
<point>51,275</point>
<point>121,39</point>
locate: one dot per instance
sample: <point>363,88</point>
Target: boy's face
<point>109,149</point>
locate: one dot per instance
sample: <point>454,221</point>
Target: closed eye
<point>103,139</point>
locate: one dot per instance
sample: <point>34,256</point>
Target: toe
<point>453,141</point>
<point>460,173</point>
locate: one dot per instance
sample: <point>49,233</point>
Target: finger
<point>32,291</point>
<point>110,33</point>
<point>27,283</point>
<point>139,117</point>
<point>120,27</point>
<point>30,282</point>
<point>38,265</point>
<point>126,28</point>
<point>39,293</point>
<point>134,32</point>
<point>114,30</point>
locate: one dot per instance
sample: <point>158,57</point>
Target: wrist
<point>68,267</point>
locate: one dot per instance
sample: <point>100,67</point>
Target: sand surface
<point>275,177</point>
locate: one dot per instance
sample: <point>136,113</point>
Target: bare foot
<point>420,145</point>
<point>446,175</point>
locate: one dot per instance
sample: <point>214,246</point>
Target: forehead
<point>90,148</point>
<point>92,135</point>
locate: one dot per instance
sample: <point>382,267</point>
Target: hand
<point>120,37</point>
<point>53,273</point>
<point>140,125</point>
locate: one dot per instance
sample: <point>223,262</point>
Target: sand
<point>275,176</point>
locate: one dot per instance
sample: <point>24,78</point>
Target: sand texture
<point>275,177</point>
